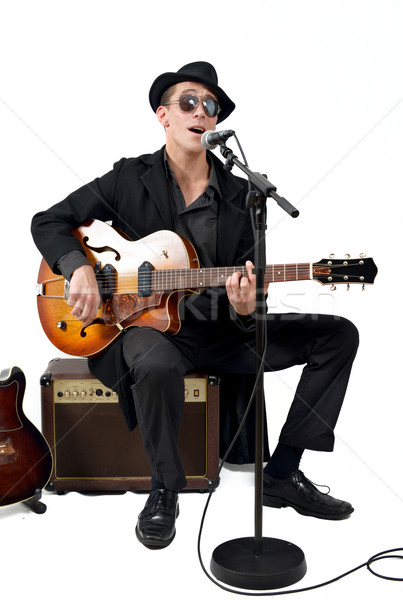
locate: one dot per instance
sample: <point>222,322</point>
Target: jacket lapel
<point>155,182</point>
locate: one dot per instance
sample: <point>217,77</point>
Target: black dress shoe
<point>156,525</point>
<point>301,494</point>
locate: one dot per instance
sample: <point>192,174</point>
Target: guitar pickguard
<point>122,306</point>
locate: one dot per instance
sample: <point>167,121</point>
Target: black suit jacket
<point>134,197</point>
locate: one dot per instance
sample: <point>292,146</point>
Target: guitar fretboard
<point>181,279</point>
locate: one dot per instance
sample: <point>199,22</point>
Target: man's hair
<point>167,95</point>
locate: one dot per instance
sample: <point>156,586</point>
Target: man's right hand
<point>84,294</point>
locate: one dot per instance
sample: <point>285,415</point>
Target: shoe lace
<point>317,485</point>
<point>153,504</point>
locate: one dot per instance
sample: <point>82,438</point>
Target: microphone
<point>212,139</point>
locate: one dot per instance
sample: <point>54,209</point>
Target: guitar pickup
<point>106,279</point>
<point>144,278</point>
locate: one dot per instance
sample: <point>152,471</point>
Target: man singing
<point>184,188</point>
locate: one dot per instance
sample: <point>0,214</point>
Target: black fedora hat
<point>201,72</point>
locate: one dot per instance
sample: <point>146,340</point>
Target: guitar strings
<point>187,278</point>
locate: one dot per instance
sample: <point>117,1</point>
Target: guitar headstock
<point>332,271</point>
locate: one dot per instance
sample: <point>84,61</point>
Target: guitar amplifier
<point>92,448</point>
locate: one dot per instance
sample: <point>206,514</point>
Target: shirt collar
<point>213,181</point>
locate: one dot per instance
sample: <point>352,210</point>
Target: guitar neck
<point>181,279</point>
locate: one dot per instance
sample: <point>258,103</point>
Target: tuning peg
<point>347,256</point>
<point>331,255</point>
<point>363,287</point>
<point>333,287</point>
<point>348,287</point>
<point>363,255</point>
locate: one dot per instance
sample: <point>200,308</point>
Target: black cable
<point>385,554</point>
<point>381,556</point>
<point>241,151</point>
<point>215,482</point>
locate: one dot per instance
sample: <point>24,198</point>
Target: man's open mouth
<point>199,130</point>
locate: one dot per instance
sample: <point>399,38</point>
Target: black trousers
<point>325,344</point>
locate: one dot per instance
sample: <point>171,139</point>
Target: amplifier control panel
<point>92,390</point>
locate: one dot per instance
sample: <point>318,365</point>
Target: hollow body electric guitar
<point>142,282</point>
<point>25,457</point>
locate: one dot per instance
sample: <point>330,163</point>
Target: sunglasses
<point>188,102</point>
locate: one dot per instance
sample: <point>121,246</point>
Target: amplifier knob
<point>67,394</point>
<point>75,394</point>
<point>83,393</point>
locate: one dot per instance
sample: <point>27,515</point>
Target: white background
<point>318,88</point>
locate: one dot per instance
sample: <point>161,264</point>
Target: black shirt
<point>198,224</point>
<point>198,221</point>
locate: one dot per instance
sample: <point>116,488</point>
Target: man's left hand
<point>241,290</point>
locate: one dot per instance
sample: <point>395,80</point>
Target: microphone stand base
<point>280,564</point>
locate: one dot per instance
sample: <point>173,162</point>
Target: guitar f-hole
<point>83,332</point>
<point>101,248</point>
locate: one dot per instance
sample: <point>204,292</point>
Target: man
<point>184,188</point>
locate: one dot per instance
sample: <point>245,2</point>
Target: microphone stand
<point>259,562</point>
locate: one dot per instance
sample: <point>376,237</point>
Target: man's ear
<point>162,115</point>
